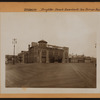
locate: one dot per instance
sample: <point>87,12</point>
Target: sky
<point>76,30</point>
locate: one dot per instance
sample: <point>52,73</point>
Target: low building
<point>11,59</point>
<point>22,57</point>
<point>81,59</point>
<point>76,59</point>
<point>93,60</point>
<point>87,59</point>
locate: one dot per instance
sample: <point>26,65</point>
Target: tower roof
<point>42,41</point>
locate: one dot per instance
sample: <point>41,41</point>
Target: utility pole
<point>14,41</point>
<point>95,45</point>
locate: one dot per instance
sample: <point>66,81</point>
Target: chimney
<point>28,47</point>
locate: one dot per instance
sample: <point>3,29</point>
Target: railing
<point>53,46</point>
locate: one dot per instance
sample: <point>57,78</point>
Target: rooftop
<point>42,41</point>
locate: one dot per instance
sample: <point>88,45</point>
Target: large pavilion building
<point>42,52</point>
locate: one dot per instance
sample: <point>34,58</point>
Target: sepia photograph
<point>50,50</point>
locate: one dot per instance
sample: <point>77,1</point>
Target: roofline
<point>42,41</point>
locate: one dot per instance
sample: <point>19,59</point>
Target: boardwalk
<point>55,75</point>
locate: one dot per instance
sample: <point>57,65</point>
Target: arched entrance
<point>43,59</point>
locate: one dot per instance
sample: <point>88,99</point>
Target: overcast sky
<point>74,30</point>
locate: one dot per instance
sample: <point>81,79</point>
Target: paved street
<point>54,75</point>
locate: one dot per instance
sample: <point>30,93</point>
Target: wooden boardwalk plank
<point>69,75</point>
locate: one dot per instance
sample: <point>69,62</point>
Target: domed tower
<point>42,43</point>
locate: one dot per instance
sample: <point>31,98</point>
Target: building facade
<point>77,59</point>
<point>81,59</point>
<point>11,58</point>
<point>42,52</point>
